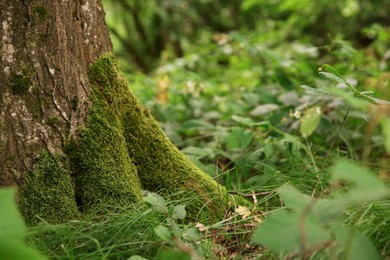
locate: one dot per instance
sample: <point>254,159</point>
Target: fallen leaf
<point>200,227</point>
<point>257,219</point>
<point>254,197</point>
<point>243,211</point>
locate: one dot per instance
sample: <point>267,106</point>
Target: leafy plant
<point>315,225</point>
<point>13,230</point>
<point>184,240</point>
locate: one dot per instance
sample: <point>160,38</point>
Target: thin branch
<point>312,250</point>
<point>330,150</point>
<point>301,226</point>
<point>177,48</point>
<point>265,193</point>
<point>139,26</point>
<point>130,48</point>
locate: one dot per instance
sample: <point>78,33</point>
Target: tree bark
<point>47,47</point>
<point>72,135</point>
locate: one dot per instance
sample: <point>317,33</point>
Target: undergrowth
<point>134,231</point>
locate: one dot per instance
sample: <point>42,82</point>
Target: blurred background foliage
<point>221,75</point>
<point>151,31</point>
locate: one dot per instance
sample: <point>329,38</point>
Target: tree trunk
<point>72,135</point>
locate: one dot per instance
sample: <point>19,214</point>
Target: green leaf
<point>314,90</point>
<point>334,77</point>
<point>173,254</point>
<point>11,249</point>
<point>325,211</point>
<point>331,73</point>
<point>198,153</point>
<point>137,257</point>
<point>195,124</point>
<point>176,230</point>
<point>310,121</point>
<point>354,244</point>
<point>355,102</point>
<point>367,92</point>
<point>263,124</point>
<point>163,232</point>
<point>12,230</point>
<point>385,123</point>
<point>156,201</point>
<point>239,138</point>
<point>250,123</point>
<point>285,232</point>
<point>330,69</point>
<point>367,187</point>
<point>329,211</point>
<point>249,4</point>
<point>264,109</point>
<point>11,223</point>
<point>179,212</point>
<point>243,120</point>
<point>293,198</point>
<point>192,234</point>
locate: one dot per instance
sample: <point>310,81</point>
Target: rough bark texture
<point>46,50</point>
<point>73,136</point>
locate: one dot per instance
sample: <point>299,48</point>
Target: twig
<point>187,248</point>
<point>264,193</point>
<point>319,247</point>
<point>330,150</point>
<point>217,176</point>
<point>301,226</point>
<point>219,190</point>
<point>138,60</point>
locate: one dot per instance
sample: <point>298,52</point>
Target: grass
<point>116,235</point>
<point>373,220</point>
<point>130,231</point>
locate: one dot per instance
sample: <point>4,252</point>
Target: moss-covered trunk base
<point>120,151</point>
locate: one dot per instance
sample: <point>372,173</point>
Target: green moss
<point>53,120</point>
<point>106,175</point>
<point>33,104</point>
<point>48,192</point>
<point>104,73</point>
<point>75,103</point>
<point>41,12</point>
<point>20,84</point>
<point>45,36</point>
<point>159,163</point>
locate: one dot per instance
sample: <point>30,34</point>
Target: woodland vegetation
<point>280,110</point>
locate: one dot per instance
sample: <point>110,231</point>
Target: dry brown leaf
<point>257,219</point>
<point>254,197</point>
<point>243,211</point>
<point>200,227</point>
